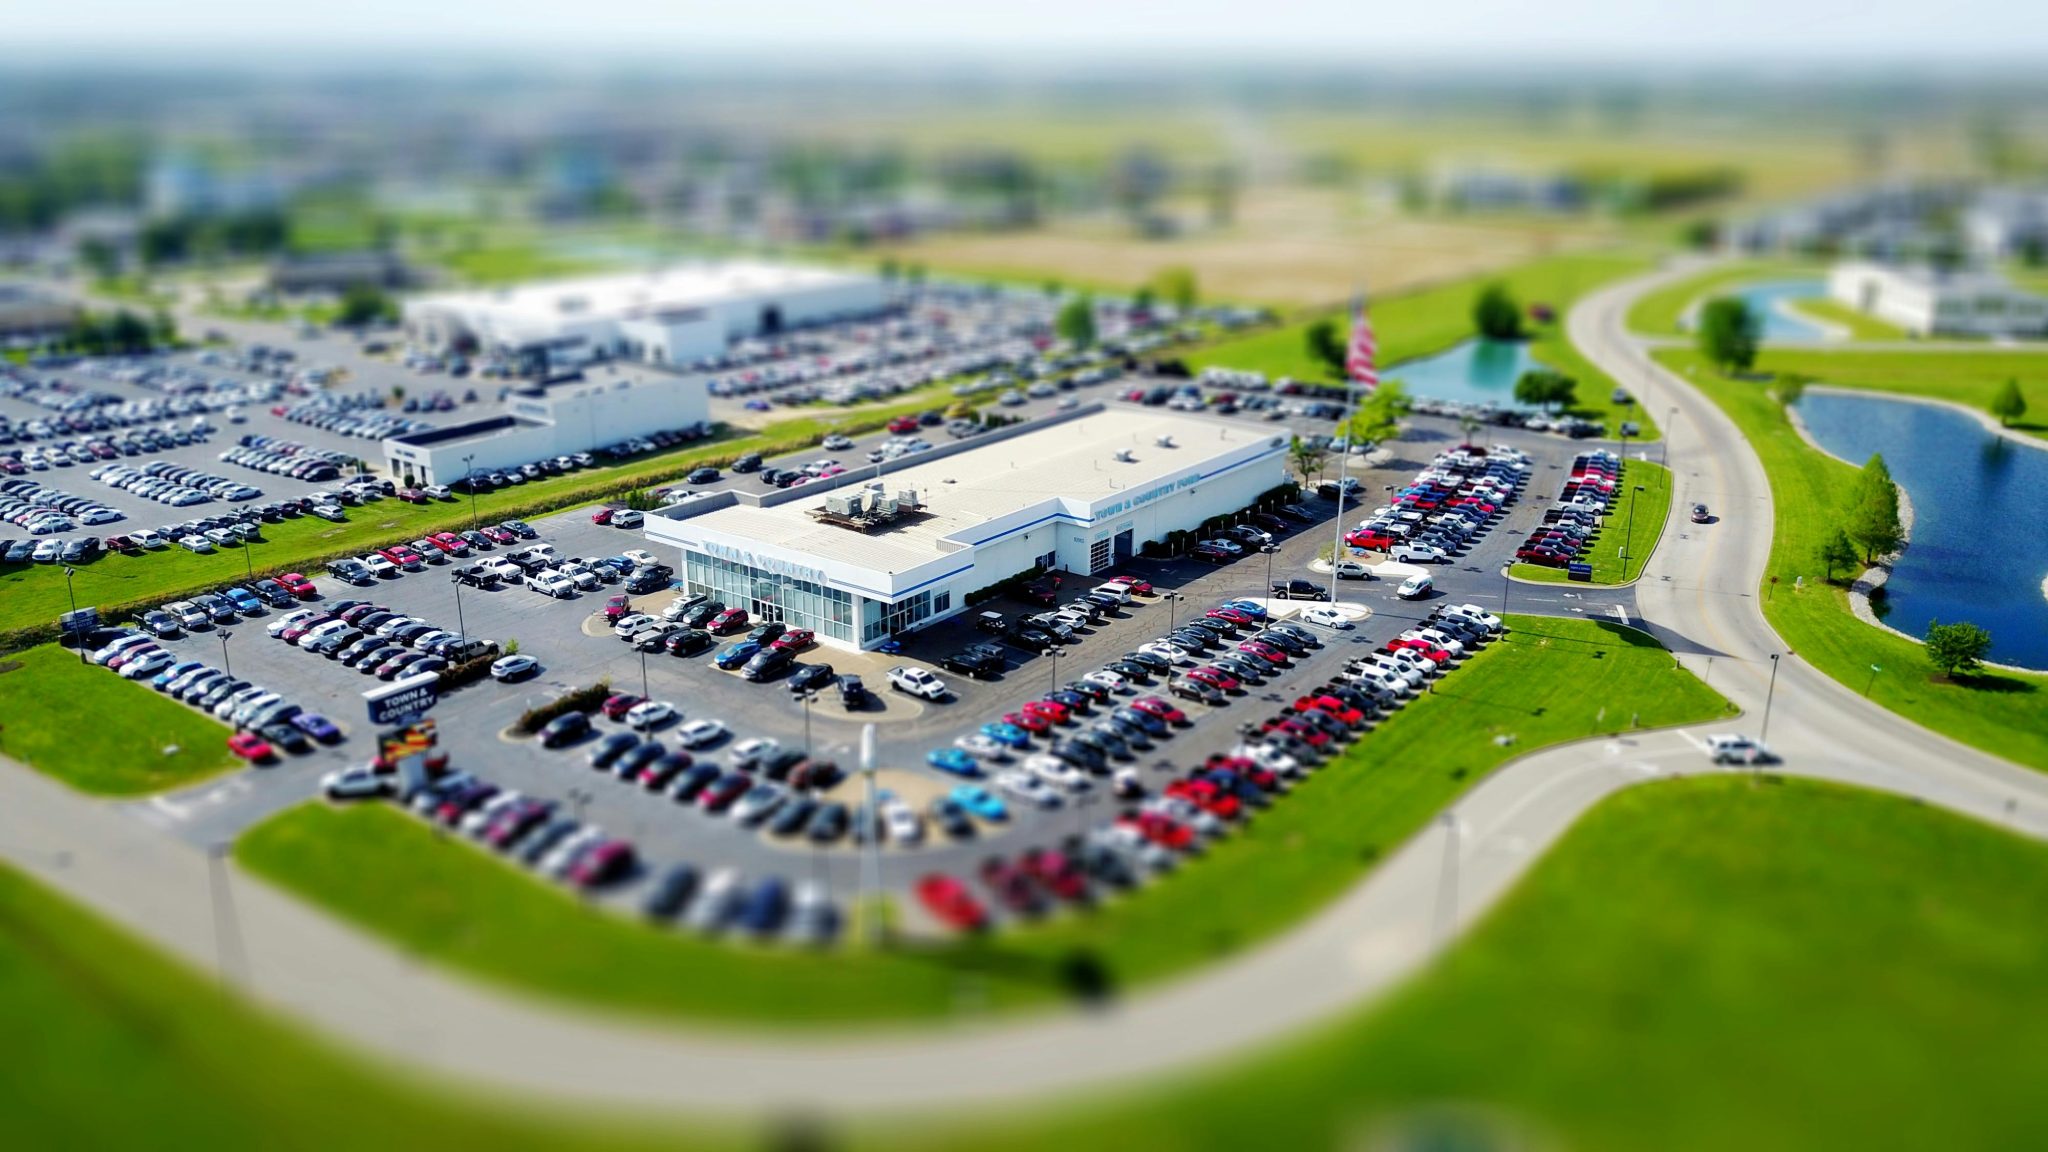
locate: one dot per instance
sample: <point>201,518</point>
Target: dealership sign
<point>403,700</point>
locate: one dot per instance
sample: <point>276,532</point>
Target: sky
<point>1102,30</point>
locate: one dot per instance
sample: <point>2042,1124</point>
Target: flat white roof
<point>1074,460</point>
<point>626,294</point>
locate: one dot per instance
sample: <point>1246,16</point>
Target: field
<point>98,732</point>
<point>1968,376</point>
<point>1659,313</point>
<point>1427,321</point>
<point>1859,325</point>
<point>1548,682</point>
<point>2006,715</point>
<point>1700,965</point>
<point>1652,507</point>
<point>514,262</point>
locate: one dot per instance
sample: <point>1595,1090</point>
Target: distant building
<point>542,421</point>
<point>182,186</point>
<point>676,316</point>
<point>2007,222</point>
<point>1925,302</point>
<point>338,272</point>
<point>27,311</point>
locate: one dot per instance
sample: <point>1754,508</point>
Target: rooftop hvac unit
<point>854,500</point>
<point>1165,441</point>
<point>1121,456</point>
<point>840,505</point>
<point>907,498</point>
<point>884,506</point>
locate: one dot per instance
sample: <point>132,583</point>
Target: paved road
<point>1699,592</point>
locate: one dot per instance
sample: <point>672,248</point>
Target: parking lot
<point>574,648</point>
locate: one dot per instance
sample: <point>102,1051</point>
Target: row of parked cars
<point>41,510</point>
<point>177,485</point>
<point>1572,521</point>
<point>376,641</point>
<point>265,721</point>
<point>227,606</point>
<point>337,414</point>
<point>1447,508</point>
<point>287,458</point>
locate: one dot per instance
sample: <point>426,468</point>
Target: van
<point>1415,587</point>
<point>1121,593</point>
<point>148,538</point>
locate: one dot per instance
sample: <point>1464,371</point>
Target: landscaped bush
<point>580,700</point>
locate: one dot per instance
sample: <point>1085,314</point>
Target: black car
<point>1088,688</point>
<point>1195,690</point>
<point>472,576</point>
<point>656,640</point>
<point>810,677</point>
<point>700,615</point>
<point>704,475</point>
<point>285,736</point>
<point>637,757</point>
<point>564,728</point>
<point>751,462</point>
<point>951,818</point>
<point>1082,753</point>
<point>767,664</point>
<point>274,594</point>
<point>1031,639</point>
<point>642,582</point>
<point>792,816</point>
<point>670,893</point>
<point>1299,590</point>
<point>829,824</point>
<point>767,632</point>
<point>219,608</point>
<point>688,642</point>
<point>1290,644</point>
<point>853,695</point>
<point>1244,668</point>
<point>1149,661</point>
<point>161,624</point>
<point>980,665</point>
<point>1129,671</point>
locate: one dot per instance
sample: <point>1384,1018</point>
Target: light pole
<point>645,694</point>
<point>1628,549</point>
<point>803,700</point>
<point>224,665</point>
<point>1172,606</point>
<point>1054,652</point>
<point>247,561</point>
<point>1269,549</point>
<point>1770,693</point>
<point>69,572</point>
<point>1670,423</point>
<point>460,624</point>
<point>1505,581</point>
<point>1874,670</point>
<point>469,481</point>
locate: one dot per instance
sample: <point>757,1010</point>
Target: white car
<point>1723,748</point>
<point>754,748</point>
<point>1436,638</point>
<point>628,519</point>
<point>698,733</point>
<point>361,780</point>
<point>1229,547</point>
<point>982,747</point>
<point>437,491</point>
<point>1326,616</point>
<point>680,605</point>
<point>512,667</point>
<point>1110,680</point>
<point>148,664</point>
<point>1057,773</point>
<point>1352,570</point>
<point>275,627</point>
<point>901,822</point>
<point>504,570</point>
<point>651,714</point>
<point>195,543</point>
<point>1027,787</point>
<point>1170,652</point>
<point>1476,614</point>
<point>378,565</point>
<point>1415,587</point>
<point>628,625</point>
<point>917,682</point>
<point>551,583</point>
<point>1418,554</point>
<point>640,557</point>
<point>835,443</point>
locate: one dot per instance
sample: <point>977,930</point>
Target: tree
<point>1076,322</point>
<point>363,304</point>
<point>1177,287</point>
<point>1323,346</point>
<point>1378,416</point>
<point>1307,457</point>
<point>163,331</point>
<point>1141,300</point>
<point>1495,313</point>
<point>1873,519</point>
<point>1958,647</point>
<point>1791,386</point>
<point>1728,335</point>
<point>100,255</point>
<point>1837,551</point>
<point>1546,387</point>
<point>2009,405</point>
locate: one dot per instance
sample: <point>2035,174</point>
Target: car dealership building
<point>540,421</point>
<point>887,549</point>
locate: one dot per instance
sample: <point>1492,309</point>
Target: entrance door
<point>1123,545</point>
<point>771,320</point>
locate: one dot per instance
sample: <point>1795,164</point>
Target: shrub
<point>580,700</point>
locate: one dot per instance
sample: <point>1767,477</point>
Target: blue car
<point>890,646</point>
<point>1251,608</point>
<point>163,679</point>
<point>1006,734</point>
<point>952,760</point>
<point>737,653</point>
<point>317,726</point>
<point>244,601</point>
<point>979,801</point>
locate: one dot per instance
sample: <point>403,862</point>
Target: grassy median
<point>2005,714</point>
<point>1639,529</point>
<point>1661,313</point>
<point>1700,965</point>
<point>98,732</point>
<point>1966,376</point>
<point>1550,680</point>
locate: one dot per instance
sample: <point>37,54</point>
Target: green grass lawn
<point>1551,680</point>
<point>512,262</point>
<point>2005,714</point>
<point>1643,526</point>
<point>1428,321</point>
<point>1659,313</point>
<point>1860,325</point>
<point>1700,965</point>
<point>1967,377</point>
<point>98,732</point>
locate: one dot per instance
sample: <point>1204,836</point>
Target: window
<point>1099,555</point>
<point>771,596</point>
<point>942,603</point>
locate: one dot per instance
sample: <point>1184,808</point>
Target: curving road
<point>1698,594</point>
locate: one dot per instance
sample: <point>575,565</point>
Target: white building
<point>542,421</point>
<point>1083,495</point>
<point>1925,302</point>
<point>675,316</point>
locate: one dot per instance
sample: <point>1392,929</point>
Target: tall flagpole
<point>1344,461</point>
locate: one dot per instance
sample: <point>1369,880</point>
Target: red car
<point>1424,648</point>
<point>602,516</point>
<point>1263,651</point>
<point>1159,829</point>
<point>1141,587</point>
<point>616,707</point>
<point>1012,886</point>
<point>450,543</point>
<point>602,864</point>
<point>1057,873</point>
<point>1244,766</point>
<point>251,747</point>
<point>723,792</point>
<point>1315,737</point>
<point>412,496</point>
<point>298,585</point>
<point>730,620</point>
<point>402,556</point>
<point>292,634</point>
<point>1235,617</point>
<point>795,640</point>
<point>497,535</point>
<point>1032,722</point>
<point>1332,706</point>
<point>903,424</point>
<point>1052,710</point>
<point>951,904</point>
<point>1154,706</point>
<point>1215,678</point>
<point>617,607</point>
<point>1207,796</point>
<point>1370,541</point>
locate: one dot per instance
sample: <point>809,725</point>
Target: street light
<point>804,700</point>
<point>1172,605</point>
<point>1770,693</point>
<point>1054,652</point>
<point>469,481</point>
<point>1628,549</point>
<point>1269,549</point>
<point>224,665</point>
<point>645,694</point>
<point>247,561</point>
<point>69,572</point>
<point>1670,423</point>
<point>460,624</point>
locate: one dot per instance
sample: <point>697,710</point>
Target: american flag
<point>1361,358</point>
